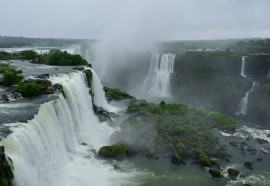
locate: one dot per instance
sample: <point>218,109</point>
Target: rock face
<point>6,174</point>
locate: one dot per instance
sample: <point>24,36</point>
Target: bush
<point>62,59</point>
<point>29,89</point>
<point>116,94</point>
<point>11,77</point>
<point>28,54</point>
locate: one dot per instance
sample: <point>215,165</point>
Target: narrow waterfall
<point>158,80</point>
<point>243,66</point>
<point>57,147</point>
<point>243,105</point>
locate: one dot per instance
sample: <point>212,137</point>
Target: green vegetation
<point>36,87</point>
<point>60,58</point>
<point>233,171</point>
<point>117,151</point>
<point>4,67</point>
<point>164,128</point>
<point>55,57</point>
<point>116,94</point>
<point>249,164</point>
<point>215,173</point>
<point>11,77</point>
<point>6,174</point>
<point>28,89</point>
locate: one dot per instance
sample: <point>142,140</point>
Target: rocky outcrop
<point>6,174</point>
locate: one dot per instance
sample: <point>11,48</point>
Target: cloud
<point>138,19</point>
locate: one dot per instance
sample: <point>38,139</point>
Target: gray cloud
<point>137,19</point>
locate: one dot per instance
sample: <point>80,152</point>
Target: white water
<point>243,105</point>
<point>158,81</point>
<point>100,100</point>
<point>48,150</point>
<point>243,65</point>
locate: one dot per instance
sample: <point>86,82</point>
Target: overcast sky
<point>152,19</point>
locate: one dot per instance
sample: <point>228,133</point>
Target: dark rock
<point>117,151</point>
<point>261,141</point>
<point>248,164</point>
<point>43,76</point>
<point>215,173</point>
<point>259,159</point>
<point>116,167</point>
<point>233,171</point>
<point>78,68</point>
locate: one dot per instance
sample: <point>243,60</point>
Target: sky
<point>137,19</point>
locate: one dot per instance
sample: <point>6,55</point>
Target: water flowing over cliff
<point>243,105</point>
<point>158,80</point>
<point>243,65</point>
<point>57,147</point>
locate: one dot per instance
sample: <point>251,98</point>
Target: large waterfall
<point>57,147</point>
<point>158,81</point>
<point>243,66</point>
<point>243,105</point>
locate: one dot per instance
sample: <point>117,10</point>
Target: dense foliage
<point>116,94</point>
<point>11,77</point>
<point>174,130</point>
<point>60,58</point>
<point>55,57</point>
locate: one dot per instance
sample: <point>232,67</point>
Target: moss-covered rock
<point>249,165</point>
<point>6,173</point>
<point>116,94</point>
<point>233,171</point>
<point>215,173</point>
<point>117,151</point>
<point>204,160</point>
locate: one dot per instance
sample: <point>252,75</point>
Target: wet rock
<point>248,164</point>
<point>259,159</point>
<point>233,171</point>
<point>43,76</point>
<point>215,173</point>
<point>78,68</point>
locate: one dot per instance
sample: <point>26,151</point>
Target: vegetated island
<point>170,131</point>
<point>55,57</point>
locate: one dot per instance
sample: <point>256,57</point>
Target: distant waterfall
<point>158,81</point>
<point>243,66</point>
<point>243,105</point>
<point>56,147</point>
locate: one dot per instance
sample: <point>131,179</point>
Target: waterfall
<point>243,65</point>
<point>57,147</point>
<point>158,80</point>
<point>243,105</point>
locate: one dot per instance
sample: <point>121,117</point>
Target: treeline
<point>55,57</point>
<point>254,46</point>
<point>11,42</point>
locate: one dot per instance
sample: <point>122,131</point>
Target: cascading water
<point>158,81</point>
<point>243,66</point>
<point>100,99</point>
<point>56,148</point>
<point>243,105</point>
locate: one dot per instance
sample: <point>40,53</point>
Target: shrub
<point>28,89</point>
<point>28,54</point>
<point>11,77</point>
